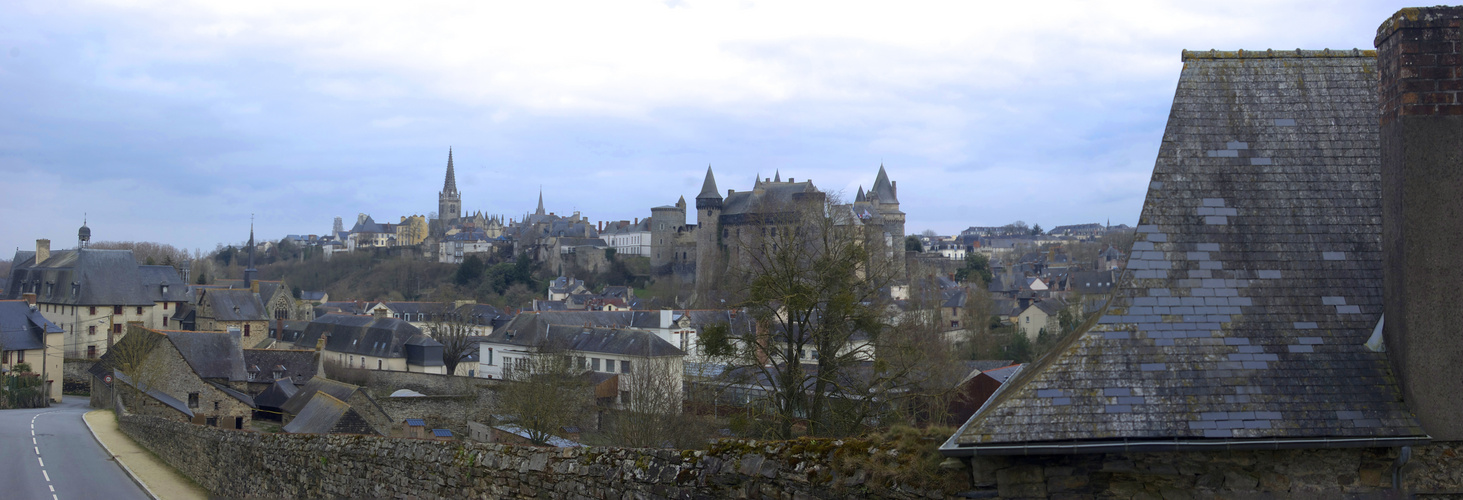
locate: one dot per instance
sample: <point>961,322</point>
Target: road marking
<point>43,462</point>
<point>47,474</point>
<point>53,488</point>
<point>38,450</point>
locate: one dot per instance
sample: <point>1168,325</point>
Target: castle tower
<point>884,196</point>
<point>708,234</point>
<point>449,201</point>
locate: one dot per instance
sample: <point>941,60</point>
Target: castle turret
<point>708,233</point>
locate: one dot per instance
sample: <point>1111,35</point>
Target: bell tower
<point>449,201</point>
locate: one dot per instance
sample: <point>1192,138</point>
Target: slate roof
<point>216,355</point>
<point>606,340</point>
<point>276,394</point>
<point>161,396</point>
<point>365,335</point>
<point>22,328</point>
<point>154,277</point>
<point>245,398</point>
<point>883,189</point>
<point>1254,284</point>
<point>298,365</point>
<point>105,278</point>
<point>339,390</point>
<point>235,305</point>
<point>769,198</point>
<point>318,416</point>
<point>1092,282</point>
<point>708,187</point>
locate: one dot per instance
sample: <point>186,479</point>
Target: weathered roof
<point>234,394</point>
<point>211,354</point>
<point>364,335</point>
<point>154,277</point>
<point>883,190</point>
<point>102,278</point>
<point>297,365</point>
<point>22,328</point>
<point>1255,281</point>
<point>318,415</point>
<point>234,305</point>
<point>340,390</point>
<point>276,394</point>
<point>161,396</point>
<point>770,198</point>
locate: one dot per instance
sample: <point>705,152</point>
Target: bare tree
<point>652,416</point>
<point>132,356</point>
<point>545,393</point>
<point>454,331</point>
<point>811,276</point>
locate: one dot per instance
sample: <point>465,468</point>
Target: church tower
<point>449,201</point>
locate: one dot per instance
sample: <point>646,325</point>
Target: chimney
<point>29,298</point>
<point>379,313</point>
<point>43,250</point>
<point>1418,61</point>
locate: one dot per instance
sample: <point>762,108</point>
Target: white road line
<point>47,474</point>
<point>53,488</point>
<point>38,450</point>
<point>33,440</point>
<point>43,462</point>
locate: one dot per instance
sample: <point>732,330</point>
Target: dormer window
<point>165,288</point>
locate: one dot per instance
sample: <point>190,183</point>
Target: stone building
<point>196,377</point>
<point>375,342</point>
<point>92,294</point>
<point>324,406</point>
<point>1251,313</point>
<point>701,252</point>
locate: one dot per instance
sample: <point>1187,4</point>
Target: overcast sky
<point>174,121</point>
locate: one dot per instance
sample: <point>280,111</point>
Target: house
<point>562,287</point>
<point>193,377</point>
<point>455,247</point>
<point>269,403</point>
<point>26,336</point>
<point>375,342</point>
<point>984,380</point>
<point>508,352</point>
<point>324,406</point>
<point>92,294</point>
<point>1233,333</point>
<point>628,237</point>
<point>265,366</point>
<point>220,309</point>
<point>1041,316</point>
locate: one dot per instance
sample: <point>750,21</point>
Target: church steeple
<point>249,271</point>
<point>450,185</point>
<point>540,210</point>
<point>449,201</point>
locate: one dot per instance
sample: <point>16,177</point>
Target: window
<point>215,406</point>
<point>239,423</point>
<point>624,367</point>
<point>117,328</point>
<point>246,329</point>
<point>490,355</point>
<point>139,310</point>
<point>954,324</point>
<point>192,400</point>
<point>594,364</point>
<point>212,421</point>
<point>91,352</point>
<point>91,330</point>
<point>378,364</point>
<point>93,310</point>
<point>165,321</point>
<point>5,357</point>
<point>116,309</point>
<point>165,304</point>
<point>19,357</point>
<point>610,365</point>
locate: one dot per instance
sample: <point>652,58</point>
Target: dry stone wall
<point>245,464</point>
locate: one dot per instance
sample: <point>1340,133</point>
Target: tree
<point>652,418</point>
<point>545,392</point>
<point>454,331</point>
<point>1036,230</point>
<point>912,244</point>
<point>977,265</point>
<point>469,271</point>
<point>131,355</point>
<point>811,278</point>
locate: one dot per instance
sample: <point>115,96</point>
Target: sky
<point>178,121</point>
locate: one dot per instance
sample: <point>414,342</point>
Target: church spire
<point>540,201</point>
<point>450,185</point>
<point>249,271</point>
<point>777,177</point>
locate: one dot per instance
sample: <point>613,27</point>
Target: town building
<point>93,294</point>
<point>196,377</point>
<point>27,337</point>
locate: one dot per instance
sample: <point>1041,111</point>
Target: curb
<point>118,461</point>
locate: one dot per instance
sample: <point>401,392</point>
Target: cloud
<point>985,112</point>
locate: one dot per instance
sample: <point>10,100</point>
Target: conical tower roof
<point>860,197</point>
<point>540,210</point>
<point>883,189</point>
<point>777,176</point>
<point>708,188</point>
<point>450,185</point>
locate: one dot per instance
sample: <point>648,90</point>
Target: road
<point>48,453</point>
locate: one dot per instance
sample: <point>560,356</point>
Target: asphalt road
<point>48,453</point>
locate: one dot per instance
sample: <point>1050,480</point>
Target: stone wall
<point>75,377</point>
<point>1311,473</point>
<point>249,464</point>
<point>441,412</point>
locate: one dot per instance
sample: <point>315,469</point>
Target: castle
<point>699,252</point>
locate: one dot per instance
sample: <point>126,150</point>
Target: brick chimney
<point>29,298</point>
<point>43,250</point>
<point>1421,118</point>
